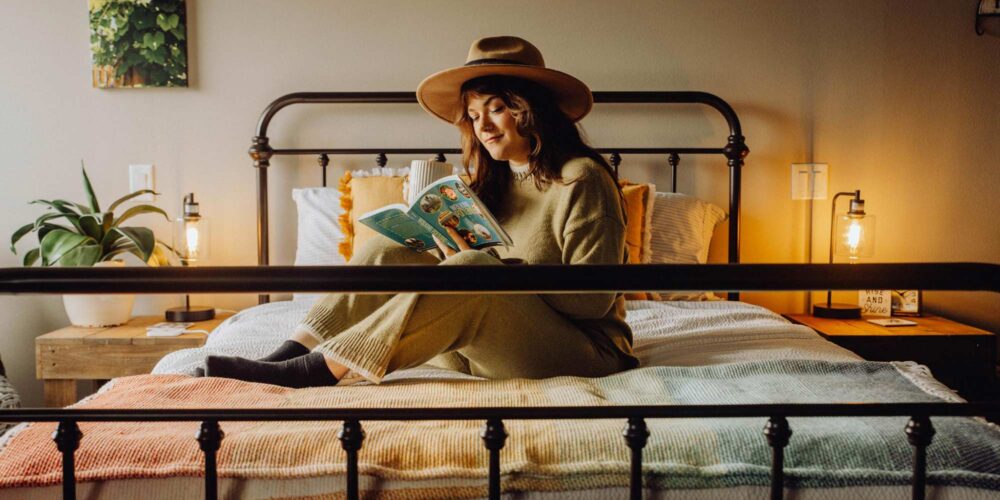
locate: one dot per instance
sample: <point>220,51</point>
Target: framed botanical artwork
<point>906,302</point>
<point>138,43</point>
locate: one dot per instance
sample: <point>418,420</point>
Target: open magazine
<point>445,202</point>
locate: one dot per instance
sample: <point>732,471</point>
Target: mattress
<point>670,334</point>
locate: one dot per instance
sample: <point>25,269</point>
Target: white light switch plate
<point>141,177</point>
<point>809,181</point>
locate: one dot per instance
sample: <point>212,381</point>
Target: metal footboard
<point>919,430</point>
<point>514,279</point>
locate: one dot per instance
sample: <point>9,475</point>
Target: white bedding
<point>666,333</point>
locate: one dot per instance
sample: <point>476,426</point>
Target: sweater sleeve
<point>599,241</point>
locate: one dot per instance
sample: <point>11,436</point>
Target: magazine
<point>445,202</point>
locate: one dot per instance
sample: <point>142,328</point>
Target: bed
<point>730,399</point>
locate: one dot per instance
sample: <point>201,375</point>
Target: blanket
<point>539,455</point>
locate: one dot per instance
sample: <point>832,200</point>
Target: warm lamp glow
<point>191,238</point>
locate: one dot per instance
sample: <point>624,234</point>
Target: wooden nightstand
<point>69,354</point>
<point>961,356</point>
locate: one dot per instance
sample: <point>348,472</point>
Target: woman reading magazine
<point>557,198</point>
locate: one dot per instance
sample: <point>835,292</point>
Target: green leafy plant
<point>141,37</point>
<point>76,234</point>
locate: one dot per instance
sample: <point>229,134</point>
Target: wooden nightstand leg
<point>59,392</point>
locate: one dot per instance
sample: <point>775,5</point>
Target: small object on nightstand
<point>892,322</point>
<point>875,302</point>
<point>167,329</point>
<point>906,302</point>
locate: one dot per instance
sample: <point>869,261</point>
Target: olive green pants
<point>488,335</point>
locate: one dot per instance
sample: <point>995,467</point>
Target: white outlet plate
<point>809,181</point>
<point>141,177</point>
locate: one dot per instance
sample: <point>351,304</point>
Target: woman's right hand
<point>446,250</point>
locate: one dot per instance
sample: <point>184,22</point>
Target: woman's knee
<point>381,250</point>
<point>470,257</point>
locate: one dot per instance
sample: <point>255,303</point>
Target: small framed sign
<point>875,302</point>
<point>906,302</point>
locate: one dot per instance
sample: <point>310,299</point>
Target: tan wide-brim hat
<point>501,55</point>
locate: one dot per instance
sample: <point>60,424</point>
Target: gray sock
<point>304,371</point>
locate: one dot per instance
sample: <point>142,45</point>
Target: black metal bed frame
<point>508,279</point>
<point>735,149</point>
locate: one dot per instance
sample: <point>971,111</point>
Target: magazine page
<point>394,222</point>
<point>450,202</point>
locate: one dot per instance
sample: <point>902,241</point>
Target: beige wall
<point>903,106</point>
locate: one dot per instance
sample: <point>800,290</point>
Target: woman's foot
<point>287,350</point>
<point>304,371</point>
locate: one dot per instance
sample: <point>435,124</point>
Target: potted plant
<point>82,234</point>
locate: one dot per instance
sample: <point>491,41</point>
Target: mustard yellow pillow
<point>638,198</point>
<point>360,195</point>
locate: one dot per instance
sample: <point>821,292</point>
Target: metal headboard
<point>734,150</point>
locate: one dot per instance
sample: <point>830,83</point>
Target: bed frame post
<point>777,433</point>
<point>67,437</point>
<point>673,159</point>
<point>735,151</point>
<point>261,152</point>
<point>323,160</point>
<point>494,436</point>
<point>636,436</point>
<point>919,432</point>
<point>351,437</point>
<point>209,440</point>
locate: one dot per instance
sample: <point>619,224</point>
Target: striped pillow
<point>682,228</point>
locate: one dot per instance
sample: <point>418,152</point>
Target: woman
<point>561,204</point>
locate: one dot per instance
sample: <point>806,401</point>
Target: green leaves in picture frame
<point>138,43</point>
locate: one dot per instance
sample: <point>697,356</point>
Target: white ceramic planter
<point>99,310</point>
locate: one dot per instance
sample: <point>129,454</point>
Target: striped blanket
<point>539,455</point>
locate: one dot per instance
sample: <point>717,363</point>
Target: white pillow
<point>681,233</point>
<point>319,233</point>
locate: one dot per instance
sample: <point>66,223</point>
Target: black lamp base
<point>188,314</point>
<point>837,311</point>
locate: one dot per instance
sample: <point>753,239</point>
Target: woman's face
<point>496,129</point>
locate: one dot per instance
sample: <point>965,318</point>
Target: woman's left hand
<point>457,238</point>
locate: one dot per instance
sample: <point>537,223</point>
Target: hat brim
<point>439,95</point>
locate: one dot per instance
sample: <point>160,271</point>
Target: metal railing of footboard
<point>919,430</point>
<point>505,279</point>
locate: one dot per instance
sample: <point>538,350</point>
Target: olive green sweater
<point>579,220</point>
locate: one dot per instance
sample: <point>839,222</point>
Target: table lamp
<point>191,238</point>
<point>851,234</point>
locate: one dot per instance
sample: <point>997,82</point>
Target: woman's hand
<point>445,249</point>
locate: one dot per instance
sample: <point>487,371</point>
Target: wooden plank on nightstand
<point>69,335</point>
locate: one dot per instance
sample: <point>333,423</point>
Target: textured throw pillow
<point>682,228</point>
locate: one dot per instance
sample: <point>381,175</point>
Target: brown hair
<point>554,138</point>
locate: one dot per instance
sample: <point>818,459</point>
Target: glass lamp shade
<point>191,239</point>
<point>855,236</point>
